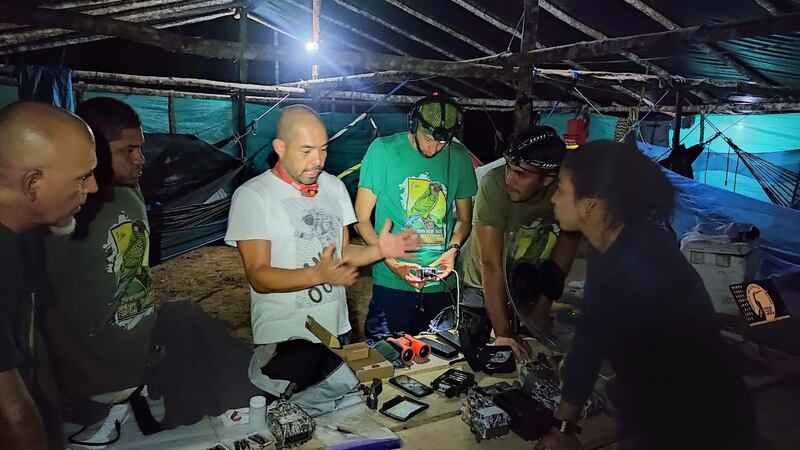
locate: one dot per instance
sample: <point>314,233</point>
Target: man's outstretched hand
<point>397,245</point>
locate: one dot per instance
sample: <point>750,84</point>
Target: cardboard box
<point>364,360</point>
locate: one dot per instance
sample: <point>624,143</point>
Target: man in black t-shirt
<point>46,162</point>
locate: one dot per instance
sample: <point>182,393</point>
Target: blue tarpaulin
<point>47,84</point>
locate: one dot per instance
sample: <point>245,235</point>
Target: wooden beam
<point>276,29</point>
<point>522,108</point>
<point>394,28</point>
<point>711,49</point>
<point>658,43</point>
<point>771,7</point>
<point>352,29</point>
<point>221,49</point>
<point>316,6</point>
<point>241,62</point>
<point>130,12</point>
<point>430,21</point>
<point>381,43</point>
<point>398,30</point>
<point>65,40</point>
<point>171,113</point>
<point>193,83</point>
<point>277,63</point>
<point>499,24</point>
<point>676,129</point>
<point>488,17</point>
<point>597,35</point>
<point>369,37</point>
<point>721,108</point>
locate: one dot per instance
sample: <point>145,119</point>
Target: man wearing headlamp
<point>415,178</point>
<point>513,218</point>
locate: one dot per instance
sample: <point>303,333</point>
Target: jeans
<point>392,311</point>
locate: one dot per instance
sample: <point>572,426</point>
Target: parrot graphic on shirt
<point>127,252</point>
<point>133,258</point>
<point>424,205</point>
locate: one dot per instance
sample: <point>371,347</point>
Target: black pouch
<point>529,418</point>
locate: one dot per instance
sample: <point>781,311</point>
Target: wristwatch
<point>566,427</point>
<point>455,246</point>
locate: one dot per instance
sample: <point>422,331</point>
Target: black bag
<point>529,418</point>
<point>196,365</point>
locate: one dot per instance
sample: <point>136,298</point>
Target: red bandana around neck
<point>306,190</point>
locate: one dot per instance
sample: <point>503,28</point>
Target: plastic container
<point>721,264</point>
<point>258,413</point>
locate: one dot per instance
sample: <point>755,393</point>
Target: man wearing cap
<point>415,178</point>
<point>514,219</point>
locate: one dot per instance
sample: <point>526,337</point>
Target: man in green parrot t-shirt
<point>415,178</point>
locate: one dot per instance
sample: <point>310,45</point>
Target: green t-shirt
<point>102,285</point>
<point>416,192</point>
<point>529,228</point>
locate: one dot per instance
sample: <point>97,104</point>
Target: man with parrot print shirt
<point>416,178</point>
<point>101,327</point>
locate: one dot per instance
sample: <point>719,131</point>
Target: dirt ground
<point>214,276</point>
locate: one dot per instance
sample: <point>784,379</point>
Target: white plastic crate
<point>721,264</point>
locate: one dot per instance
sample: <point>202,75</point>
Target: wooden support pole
<point>277,63</point>
<point>240,119</point>
<point>171,113</point>
<point>241,62</point>
<point>676,135</point>
<point>522,106</point>
<point>316,6</point>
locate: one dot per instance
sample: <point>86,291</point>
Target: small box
<point>364,360</point>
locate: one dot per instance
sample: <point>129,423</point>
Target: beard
<point>66,230</point>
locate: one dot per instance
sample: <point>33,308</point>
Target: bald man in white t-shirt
<point>290,227</point>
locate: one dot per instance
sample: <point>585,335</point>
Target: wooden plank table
<point>439,425</point>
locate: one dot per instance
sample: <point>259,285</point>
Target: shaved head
<point>296,116</point>
<point>46,162</point>
<point>31,133</point>
<point>301,143</point>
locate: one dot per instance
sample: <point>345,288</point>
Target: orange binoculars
<point>410,347</point>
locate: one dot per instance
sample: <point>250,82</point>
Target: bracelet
<point>455,246</point>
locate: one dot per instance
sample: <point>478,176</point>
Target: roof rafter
<point>347,43</point>
<point>597,35</point>
<point>515,33</point>
<point>77,38</point>
<point>413,37</point>
<point>711,49</point>
<point>147,9</point>
<point>770,6</point>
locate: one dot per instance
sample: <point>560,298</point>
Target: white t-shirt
<point>298,228</point>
